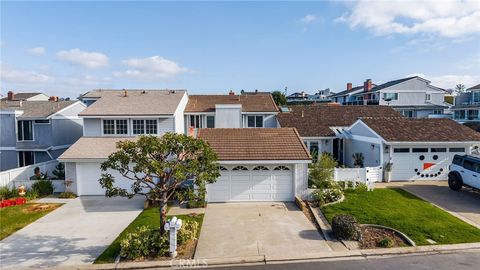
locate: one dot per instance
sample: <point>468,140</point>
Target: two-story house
<point>257,163</point>
<point>32,96</point>
<point>467,105</point>
<point>354,95</point>
<point>230,111</point>
<point>36,130</point>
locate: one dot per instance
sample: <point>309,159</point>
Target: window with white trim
<point>428,97</point>
<point>260,168</point>
<point>24,130</point>
<point>210,121</point>
<point>281,168</point>
<point>196,121</point>
<point>240,168</point>
<point>26,158</point>
<point>151,126</point>
<point>138,126</point>
<point>118,127</point>
<point>254,121</point>
<point>390,96</point>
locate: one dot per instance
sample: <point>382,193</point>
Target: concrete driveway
<point>464,204</point>
<point>76,233</point>
<point>277,230</point>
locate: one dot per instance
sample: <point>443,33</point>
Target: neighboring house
<point>320,126</point>
<point>419,149</point>
<point>230,111</point>
<point>260,164</point>
<point>34,131</point>
<point>467,105</point>
<point>297,96</point>
<point>320,96</point>
<point>25,96</point>
<point>353,95</point>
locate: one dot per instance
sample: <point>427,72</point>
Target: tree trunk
<point>163,213</point>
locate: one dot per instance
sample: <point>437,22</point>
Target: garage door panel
<point>253,186</point>
<point>409,166</point>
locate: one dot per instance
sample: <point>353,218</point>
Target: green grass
<point>405,212</point>
<point>13,218</point>
<point>149,217</point>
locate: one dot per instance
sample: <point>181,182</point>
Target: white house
<point>467,105</point>
<point>419,149</point>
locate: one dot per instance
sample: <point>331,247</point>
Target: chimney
<point>231,93</point>
<point>349,86</point>
<point>367,85</point>
<point>125,93</point>
<point>53,98</point>
<point>10,95</point>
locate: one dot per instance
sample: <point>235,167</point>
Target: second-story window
<point>254,121</point>
<point>390,96</point>
<point>476,96</point>
<point>145,126</point>
<point>151,126</point>
<point>210,121</point>
<point>25,130</point>
<point>195,121</point>
<point>428,97</point>
<point>138,127</point>
<point>119,127</point>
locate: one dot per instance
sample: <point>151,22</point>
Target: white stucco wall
<point>228,115</point>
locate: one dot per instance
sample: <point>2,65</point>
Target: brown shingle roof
<point>421,130</point>
<point>36,109</point>
<point>137,102</point>
<point>250,103</point>
<point>316,120</point>
<point>93,147</point>
<point>22,96</point>
<point>255,143</point>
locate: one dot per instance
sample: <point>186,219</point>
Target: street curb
<point>350,254</point>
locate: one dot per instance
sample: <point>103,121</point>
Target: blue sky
<point>69,48</point>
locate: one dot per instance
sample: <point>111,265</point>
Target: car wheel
<point>454,182</point>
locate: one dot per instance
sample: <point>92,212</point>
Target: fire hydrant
<point>173,226</point>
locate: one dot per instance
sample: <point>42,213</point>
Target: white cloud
<point>447,18</point>
<point>449,81</point>
<point>37,51</point>
<point>150,68</point>
<point>24,76</point>
<point>87,59</point>
<point>308,19</point>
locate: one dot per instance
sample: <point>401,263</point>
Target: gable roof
<point>316,120</point>
<point>250,103</point>
<point>93,148</point>
<point>474,87</point>
<point>23,96</point>
<point>395,129</point>
<point>137,102</point>
<point>255,143</point>
<point>36,109</point>
<point>391,83</point>
<point>345,92</point>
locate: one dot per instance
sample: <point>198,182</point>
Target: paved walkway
<point>257,229</point>
<point>464,204</point>
<point>74,234</point>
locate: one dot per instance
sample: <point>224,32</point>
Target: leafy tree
<point>158,165</point>
<point>279,98</point>
<point>460,88</point>
<point>59,171</point>
<point>321,174</point>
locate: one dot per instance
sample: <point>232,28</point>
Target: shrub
<point>8,193</point>
<point>144,242</point>
<point>324,196</point>
<point>321,175</point>
<point>345,227</point>
<point>351,185</point>
<point>43,187</point>
<point>187,232</point>
<point>31,194</point>
<point>196,204</point>
<point>67,195</point>
<point>385,242</point>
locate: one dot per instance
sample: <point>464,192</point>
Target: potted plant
<point>387,171</point>
<point>358,160</point>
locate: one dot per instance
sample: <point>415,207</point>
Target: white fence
<point>22,175</point>
<point>362,175</point>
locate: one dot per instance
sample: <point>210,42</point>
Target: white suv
<point>464,171</point>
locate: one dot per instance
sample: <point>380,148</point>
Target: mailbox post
<point>172,226</point>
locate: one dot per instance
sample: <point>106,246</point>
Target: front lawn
<point>149,217</point>
<point>405,212</point>
<point>13,218</point>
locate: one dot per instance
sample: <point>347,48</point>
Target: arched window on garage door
<point>281,168</point>
<point>260,168</point>
<point>223,168</point>
<point>240,168</point>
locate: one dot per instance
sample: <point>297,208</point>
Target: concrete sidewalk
<point>464,204</point>
<point>74,234</point>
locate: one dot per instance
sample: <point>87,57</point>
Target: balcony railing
<point>362,102</point>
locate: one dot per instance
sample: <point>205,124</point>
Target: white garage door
<point>422,163</point>
<point>259,183</point>
<point>88,175</point>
